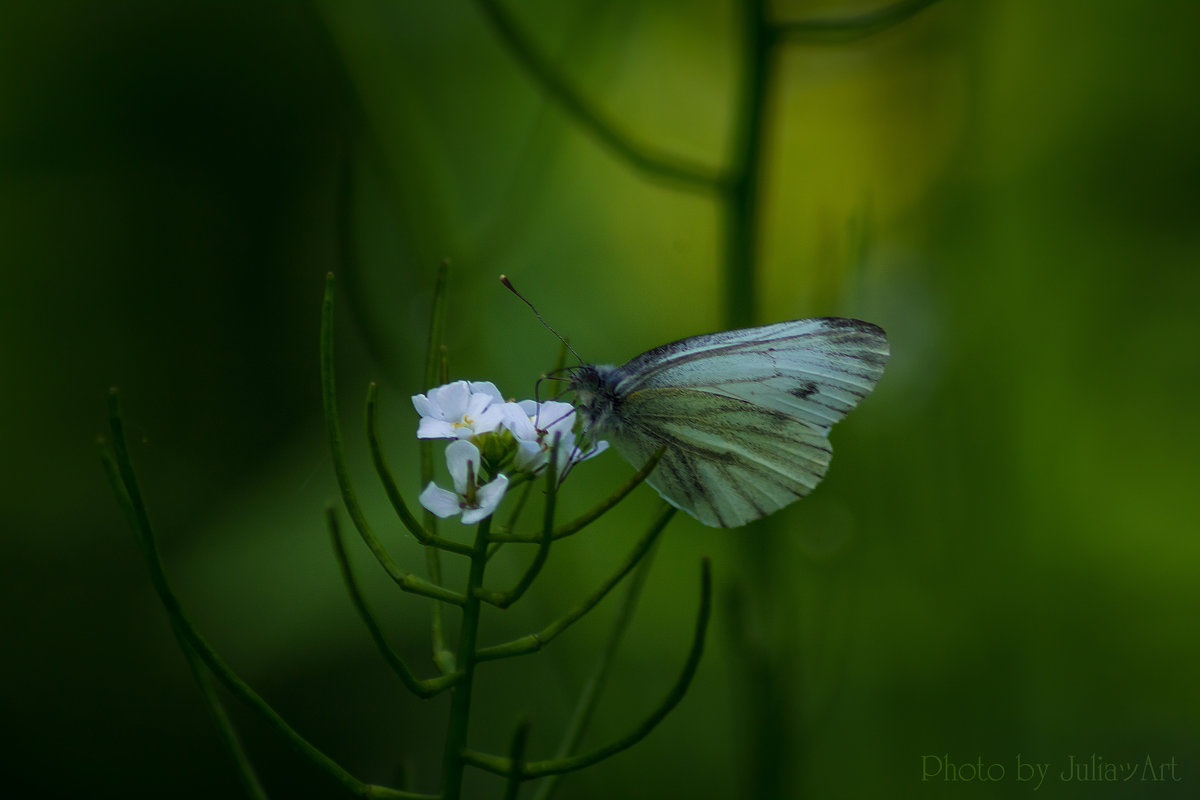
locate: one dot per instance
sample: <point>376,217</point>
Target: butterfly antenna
<point>508,285</point>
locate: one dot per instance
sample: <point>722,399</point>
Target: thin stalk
<point>587,518</point>
<point>434,365</point>
<point>590,696</point>
<point>649,161</point>
<point>742,211</point>
<point>513,515</point>
<point>390,488</point>
<point>421,688</point>
<point>742,200</point>
<point>245,770</point>
<point>506,599</point>
<point>119,468</point>
<point>433,348</point>
<point>536,641</point>
<point>516,757</point>
<point>406,581</point>
<point>773,743</point>
<point>537,769</point>
<point>460,704</point>
<point>848,29</point>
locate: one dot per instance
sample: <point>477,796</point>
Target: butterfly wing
<point>814,370</point>
<point>745,415</point>
<point>726,461</point>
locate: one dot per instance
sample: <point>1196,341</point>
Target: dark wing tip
<point>861,326</point>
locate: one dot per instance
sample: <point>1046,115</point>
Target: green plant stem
<point>537,769</point>
<point>653,163</point>
<point>460,704</point>
<point>421,688</point>
<point>742,200</point>
<point>848,29</point>
<point>516,757</point>
<point>587,518</point>
<point>435,358</point>
<point>515,513</point>
<point>742,213</point>
<point>245,770</point>
<point>393,492</point>
<point>536,641</point>
<point>119,468</point>
<point>773,743</point>
<point>406,581</point>
<point>506,599</point>
<point>590,696</point>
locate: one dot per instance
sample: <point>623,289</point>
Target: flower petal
<point>530,457</point>
<point>487,497</point>
<point>438,501</point>
<point>488,389</point>
<point>458,453</point>
<point>426,407</point>
<point>453,399</point>
<point>489,419</point>
<point>476,404</point>
<point>517,420</point>
<point>430,428</point>
<point>557,417</point>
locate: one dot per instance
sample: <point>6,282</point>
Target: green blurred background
<point>1001,563</point>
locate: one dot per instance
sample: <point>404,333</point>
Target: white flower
<point>474,503</point>
<point>535,425</point>
<point>459,410</point>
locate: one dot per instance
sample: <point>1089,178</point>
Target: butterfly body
<point>742,416</point>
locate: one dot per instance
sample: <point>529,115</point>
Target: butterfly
<point>742,416</point>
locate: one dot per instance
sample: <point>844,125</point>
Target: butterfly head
<point>596,397</point>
